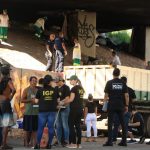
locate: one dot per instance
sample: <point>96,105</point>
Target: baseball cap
<point>73,77</point>
<point>48,78</point>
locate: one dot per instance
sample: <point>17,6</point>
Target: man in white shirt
<point>4,23</point>
<point>115,59</point>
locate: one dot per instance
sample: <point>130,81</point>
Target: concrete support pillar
<point>147,45</point>
<point>137,47</point>
<point>87,32</point>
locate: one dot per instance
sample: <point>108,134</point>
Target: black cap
<point>48,78</point>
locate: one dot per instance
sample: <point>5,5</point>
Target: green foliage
<point>118,37</point>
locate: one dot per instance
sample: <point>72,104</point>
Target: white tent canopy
<point>21,60</point>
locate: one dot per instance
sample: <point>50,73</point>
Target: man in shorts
<point>7,92</point>
<point>30,120</point>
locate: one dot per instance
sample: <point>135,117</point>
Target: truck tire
<point>148,126</point>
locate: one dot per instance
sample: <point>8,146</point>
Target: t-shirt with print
<point>77,103</point>
<point>91,107</point>
<point>47,99</point>
<point>116,90</point>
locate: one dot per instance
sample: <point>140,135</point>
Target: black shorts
<point>30,123</point>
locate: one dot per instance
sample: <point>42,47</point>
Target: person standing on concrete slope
<point>115,59</point>
<point>115,91</point>
<point>61,51</point>
<point>39,27</point>
<point>4,24</point>
<point>7,91</point>
<point>49,54</point>
<point>30,119</point>
<point>76,53</point>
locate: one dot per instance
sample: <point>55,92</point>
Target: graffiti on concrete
<point>86,32</point>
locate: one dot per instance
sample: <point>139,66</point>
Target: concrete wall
<point>147,44</point>
<point>87,32</point>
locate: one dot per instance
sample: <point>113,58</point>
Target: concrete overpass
<point>111,15</point>
<point>125,12</point>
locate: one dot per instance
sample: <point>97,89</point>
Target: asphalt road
<point>17,143</point>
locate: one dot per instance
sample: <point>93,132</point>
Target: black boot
<point>37,146</point>
<point>122,144</point>
<point>108,144</point>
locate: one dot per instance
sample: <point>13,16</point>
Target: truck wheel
<point>148,126</point>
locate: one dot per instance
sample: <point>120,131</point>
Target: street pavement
<point>17,143</point>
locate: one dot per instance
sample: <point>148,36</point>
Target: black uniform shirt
<point>78,100</point>
<point>47,99</point>
<point>116,90</point>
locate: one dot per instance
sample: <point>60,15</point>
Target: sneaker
<point>132,141</point>
<point>122,144</point>
<point>37,146</point>
<point>114,141</point>
<point>6,147</point>
<point>148,143</point>
<point>36,34</point>
<point>79,146</point>
<point>142,139</point>
<point>108,144</point>
<point>72,146</point>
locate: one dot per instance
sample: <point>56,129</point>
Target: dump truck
<point>94,79</point>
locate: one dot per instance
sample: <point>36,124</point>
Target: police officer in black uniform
<point>115,91</point>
